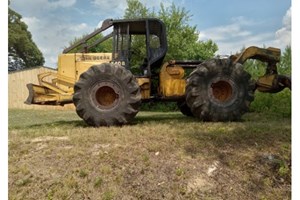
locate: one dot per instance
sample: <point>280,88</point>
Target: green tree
<point>22,51</point>
<point>285,65</point>
<point>135,9</point>
<point>183,39</point>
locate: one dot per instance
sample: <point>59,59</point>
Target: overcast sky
<point>231,24</point>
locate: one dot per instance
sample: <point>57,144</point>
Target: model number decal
<point>88,58</point>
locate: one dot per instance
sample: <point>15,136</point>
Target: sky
<point>232,24</point>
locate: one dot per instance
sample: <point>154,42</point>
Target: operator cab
<point>127,35</point>
<point>129,38</point>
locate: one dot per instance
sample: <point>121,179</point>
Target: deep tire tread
<point>123,112</point>
<point>202,105</point>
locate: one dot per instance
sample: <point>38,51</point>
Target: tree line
<point>22,51</point>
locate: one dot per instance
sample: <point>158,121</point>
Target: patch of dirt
<point>48,138</point>
<point>97,149</point>
<point>199,184</point>
<point>212,168</point>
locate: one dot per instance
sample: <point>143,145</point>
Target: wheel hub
<point>222,90</point>
<point>105,95</point>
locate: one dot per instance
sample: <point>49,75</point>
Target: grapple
<point>271,81</point>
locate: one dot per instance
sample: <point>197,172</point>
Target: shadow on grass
<point>235,137</point>
<point>143,117</point>
<point>177,116</point>
<point>163,117</point>
<point>61,124</point>
<point>148,117</point>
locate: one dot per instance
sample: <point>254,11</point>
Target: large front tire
<point>219,91</point>
<point>106,95</point>
<point>184,109</point>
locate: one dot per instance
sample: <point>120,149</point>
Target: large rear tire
<point>219,91</point>
<point>106,95</point>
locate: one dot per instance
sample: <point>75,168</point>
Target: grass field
<point>54,155</point>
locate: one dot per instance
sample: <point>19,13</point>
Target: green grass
<point>161,155</point>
